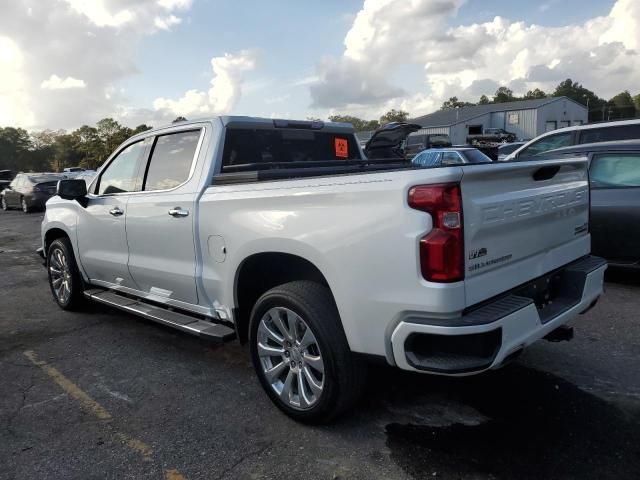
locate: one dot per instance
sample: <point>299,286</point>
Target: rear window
<point>259,148</point>
<point>615,171</point>
<point>609,134</point>
<point>476,156</point>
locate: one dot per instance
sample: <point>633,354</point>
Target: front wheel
<point>3,201</point>
<point>64,277</point>
<point>301,355</point>
<point>24,205</point>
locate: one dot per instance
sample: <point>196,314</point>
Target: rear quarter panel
<point>357,230</point>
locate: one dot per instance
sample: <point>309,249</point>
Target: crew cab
<point>287,236</point>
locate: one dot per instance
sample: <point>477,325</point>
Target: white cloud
<point>165,23</point>
<point>56,83</point>
<point>469,60</point>
<point>224,92</point>
<point>83,42</point>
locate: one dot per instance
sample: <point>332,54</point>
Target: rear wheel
<point>301,355</point>
<point>64,277</point>
<point>3,201</point>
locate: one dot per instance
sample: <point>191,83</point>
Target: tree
<point>453,102</point>
<point>484,100</point>
<point>180,119</point>
<point>576,92</point>
<point>65,153</point>
<point>41,150</point>
<point>533,94</point>
<point>622,106</point>
<point>359,124</point>
<point>394,115</point>
<point>140,129</point>
<point>14,147</point>
<point>504,94</point>
<point>636,101</point>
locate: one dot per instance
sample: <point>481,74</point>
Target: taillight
<point>442,249</point>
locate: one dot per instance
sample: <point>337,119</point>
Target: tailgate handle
<point>546,173</point>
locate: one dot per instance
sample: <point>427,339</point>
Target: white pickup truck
<point>284,235</point>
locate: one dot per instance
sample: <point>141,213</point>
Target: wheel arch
<point>52,235</point>
<point>251,282</point>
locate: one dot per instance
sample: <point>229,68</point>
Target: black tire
<point>75,299</point>
<point>3,203</point>
<point>344,374</point>
<point>24,205</point>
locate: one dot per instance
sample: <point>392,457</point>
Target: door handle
<point>178,212</point>
<point>116,211</point>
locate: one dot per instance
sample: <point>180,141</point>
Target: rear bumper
<point>487,336</point>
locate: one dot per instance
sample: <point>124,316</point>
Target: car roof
<point>619,145</point>
<point>588,126</point>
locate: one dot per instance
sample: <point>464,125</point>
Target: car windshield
<point>476,156</point>
<point>45,178</point>
<point>415,139</point>
<point>508,148</point>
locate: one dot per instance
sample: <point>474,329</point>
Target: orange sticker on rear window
<point>342,148</point>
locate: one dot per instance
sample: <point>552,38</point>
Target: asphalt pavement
<point>102,394</point>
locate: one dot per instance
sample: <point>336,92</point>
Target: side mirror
<point>72,189</point>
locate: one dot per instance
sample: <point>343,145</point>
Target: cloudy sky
<point>64,63</point>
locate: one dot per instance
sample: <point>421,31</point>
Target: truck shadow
<point>527,425</point>
<point>622,276</point>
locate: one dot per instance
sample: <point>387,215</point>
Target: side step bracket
<point>215,332</point>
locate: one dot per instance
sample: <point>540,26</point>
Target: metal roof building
<point>526,118</point>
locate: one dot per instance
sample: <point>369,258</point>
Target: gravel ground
<point>102,394</point>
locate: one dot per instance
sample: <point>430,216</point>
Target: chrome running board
<point>215,332</point>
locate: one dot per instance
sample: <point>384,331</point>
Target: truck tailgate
<point>522,220</point>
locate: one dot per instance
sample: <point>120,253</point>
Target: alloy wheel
<point>25,207</point>
<point>290,357</point>
<point>60,275</point>
<point>4,203</point>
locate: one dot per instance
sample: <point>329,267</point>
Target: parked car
<point>579,134</point>
<point>492,135</point>
<point>418,142</point>
<point>615,198</point>
<point>507,149</point>
<point>438,157</point>
<point>279,233</point>
<point>29,191</point>
<point>5,178</point>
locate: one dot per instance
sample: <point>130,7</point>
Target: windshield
<point>415,139</point>
<point>45,178</point>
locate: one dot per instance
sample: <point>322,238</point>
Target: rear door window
<point>548,143</point>
<point>615,170</point>
<point>609,134</point>
<point>171,160</point>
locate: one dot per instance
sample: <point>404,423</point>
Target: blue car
<point>440,157</point>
